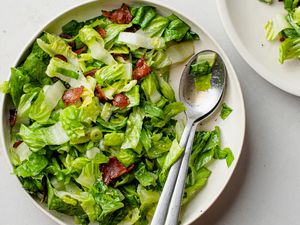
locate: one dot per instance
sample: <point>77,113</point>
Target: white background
<point>265,188</point>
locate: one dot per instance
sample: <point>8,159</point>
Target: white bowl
<point>244,24</point>
<point>233,128</point>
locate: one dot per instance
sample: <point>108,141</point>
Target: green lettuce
<point>37,138</point>
<point>143,15</point>
<point>46,101</point>
<point>95,44</point>
<point>226,111</point>
<point>133,129</point>
<point>32,167</point>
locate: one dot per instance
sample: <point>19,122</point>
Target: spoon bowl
<point>199,104</point>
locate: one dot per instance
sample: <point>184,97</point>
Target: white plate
<point>244,23</point>
<point>233,128</point>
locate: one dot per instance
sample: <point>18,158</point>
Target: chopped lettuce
<point>286,28</point>
<point>202,70</point>
<point>16,83</point>
<point>156,27</point>
<point>96,44</point>
<point>289,49</point>
<point>32,167</point>
<point>226,111</point>
<point>46,101</point>
<point>37,138</point>
<point>275,26</point>
<point>133,129</point>
<point>176,30</point>
<point>57,46</point>
<point>143,15</point>
<point>150,88</point>
<point>138,40</point>
<point>180,52</point>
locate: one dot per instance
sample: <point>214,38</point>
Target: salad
<point>95,124</point>
<point>286,28</point>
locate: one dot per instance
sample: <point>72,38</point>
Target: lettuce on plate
<point>286,28</point>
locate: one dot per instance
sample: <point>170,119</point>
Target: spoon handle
<point>164,200</point>
<point>175,204</point>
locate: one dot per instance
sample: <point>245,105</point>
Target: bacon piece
<point>81,50</point>
<point>66,36</point>
<point>12,117</point>
<point>100,94</point>
<point>17,143</point>
<point>61,57</point>
<point>120,16</point>
<point>90,73</point>
<point>113,169</point>
<point>72,96</point>
<point>101,31</point>
<point>141,69</point>
<point>120,101</point>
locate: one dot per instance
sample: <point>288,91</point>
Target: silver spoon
<point>199,105</point>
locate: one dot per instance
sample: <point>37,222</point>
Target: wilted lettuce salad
<point>93,128</point>
<point>285,27</point>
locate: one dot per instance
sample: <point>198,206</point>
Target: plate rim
<point>29,43</point>
<point>244,53</point>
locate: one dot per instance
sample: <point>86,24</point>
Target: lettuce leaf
<point>46,101</point>
<point>143,15</point>
<point>133,129</point>
<point>38,138</point>
<point>95,44</point>
<point>16,83</point>
<point>32,167</point>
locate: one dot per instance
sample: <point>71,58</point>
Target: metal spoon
<point>199,105</point>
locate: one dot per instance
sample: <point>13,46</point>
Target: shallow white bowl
<point>244,23</point>
<point>233,128</point>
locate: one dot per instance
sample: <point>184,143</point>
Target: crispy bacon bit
<point>12,117</point>
<point>61,57</point>
<point>17,143</point>
<point>81,50</point>
<point>90,73</point>
<point>141,69</point>
<point>72,96</point>
<point>101,31</point>
<point>120,101</point>
<point>100,94</point>
<point>120,16</point>
<point>66,36</point>
<point>113,169</point>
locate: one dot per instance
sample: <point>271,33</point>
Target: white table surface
<point>265,188</point>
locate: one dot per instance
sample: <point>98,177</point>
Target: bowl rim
<point>29,44</point>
